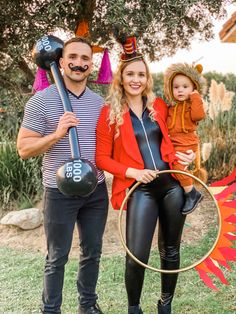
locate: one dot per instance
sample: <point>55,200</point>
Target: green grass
<point>21,279</point>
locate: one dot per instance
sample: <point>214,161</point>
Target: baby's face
<point>182,87</point>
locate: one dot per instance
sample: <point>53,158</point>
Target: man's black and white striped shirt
<point>42,113</point>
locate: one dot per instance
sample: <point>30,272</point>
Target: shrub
<point>20,180</point>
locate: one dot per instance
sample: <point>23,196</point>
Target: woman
<point>133,144</point>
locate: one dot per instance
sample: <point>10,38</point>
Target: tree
<point>161,26</point>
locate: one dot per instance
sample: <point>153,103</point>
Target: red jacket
<point>117,155</point>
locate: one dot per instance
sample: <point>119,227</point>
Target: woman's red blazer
<point>117,155</point>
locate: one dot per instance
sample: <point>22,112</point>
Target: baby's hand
<point>194,92</point>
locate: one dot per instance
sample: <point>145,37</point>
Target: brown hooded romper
<point>183,117</point>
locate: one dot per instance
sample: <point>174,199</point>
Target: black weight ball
<point>47,49</point>
<point>77,177</point>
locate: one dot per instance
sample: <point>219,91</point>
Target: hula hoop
<point>172,270</point>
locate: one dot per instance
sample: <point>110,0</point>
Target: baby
<point>183,85</point>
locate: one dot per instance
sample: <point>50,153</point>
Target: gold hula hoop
<point>173,270</point>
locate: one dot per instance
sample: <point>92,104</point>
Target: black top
<point>149,136</point>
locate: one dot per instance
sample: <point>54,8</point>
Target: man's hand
<point>67,120</point>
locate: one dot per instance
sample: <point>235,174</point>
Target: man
<point>44,130</point>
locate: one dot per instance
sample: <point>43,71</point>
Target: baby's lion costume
<point>183,117</point>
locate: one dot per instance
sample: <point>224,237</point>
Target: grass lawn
<point>21,284</point>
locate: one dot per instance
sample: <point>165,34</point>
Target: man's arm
<point>31,143</point>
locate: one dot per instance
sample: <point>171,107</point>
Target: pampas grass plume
<point>221,90</point>
<point>213,92</point>
<point>227,101</point>
<point>212,111</point>
<point>206,151</point>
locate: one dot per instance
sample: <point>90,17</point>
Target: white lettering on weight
<point>73,170</point>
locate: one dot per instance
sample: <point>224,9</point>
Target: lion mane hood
<point>194,72</point>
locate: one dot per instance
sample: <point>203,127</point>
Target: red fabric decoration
<point>227,180</point>
<point>82,29</point>
<point>224,250</point>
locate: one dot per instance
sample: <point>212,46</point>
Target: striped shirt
<point>42,113</point>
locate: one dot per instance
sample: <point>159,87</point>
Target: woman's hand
<point>144,176</point>
<point>186,158</point>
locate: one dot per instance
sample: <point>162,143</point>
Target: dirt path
<point>196,226</point>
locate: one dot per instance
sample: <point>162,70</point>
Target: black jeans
<point>60,215</point>
<point>148,204</point>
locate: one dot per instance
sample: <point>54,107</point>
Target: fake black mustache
<point>78,68</point>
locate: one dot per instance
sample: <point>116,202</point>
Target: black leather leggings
<point>148,204</point>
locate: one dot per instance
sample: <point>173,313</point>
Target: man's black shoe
<point>94,309</point>
<point>192,199</point>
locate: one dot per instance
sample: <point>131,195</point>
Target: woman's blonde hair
<point>116,99</point>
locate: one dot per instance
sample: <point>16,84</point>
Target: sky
<point>215,55</point>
